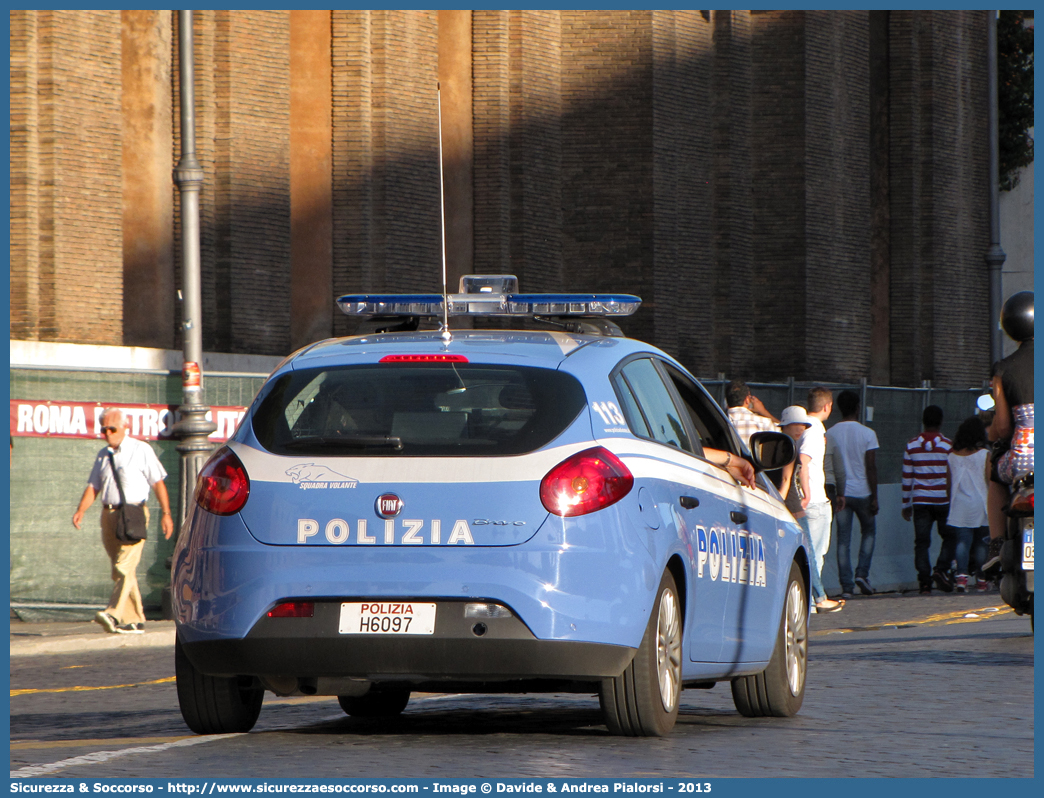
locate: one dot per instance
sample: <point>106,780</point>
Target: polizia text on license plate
<point>387,618</point>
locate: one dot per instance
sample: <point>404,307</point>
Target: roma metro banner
<point>152,422</point>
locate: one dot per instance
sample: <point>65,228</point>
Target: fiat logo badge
<point>388,505</point>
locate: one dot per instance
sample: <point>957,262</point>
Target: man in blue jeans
<point>857,446</point>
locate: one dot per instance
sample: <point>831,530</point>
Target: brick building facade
<point>792,193</point>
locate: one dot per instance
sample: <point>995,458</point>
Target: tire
<point>215,704</point>
<point>780,688</point>
<point>643,700</point>
<point>381,701</point>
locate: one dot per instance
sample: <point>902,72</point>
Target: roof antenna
<point>442,227</point>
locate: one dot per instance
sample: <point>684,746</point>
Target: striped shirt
<point>747,423</point>
<point>924,470</point>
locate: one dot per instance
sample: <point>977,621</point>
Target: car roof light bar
<point>489,304</point>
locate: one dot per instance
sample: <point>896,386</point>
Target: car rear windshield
<point>436,409</point>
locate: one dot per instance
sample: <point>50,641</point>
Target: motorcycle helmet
<point>1017,316</point>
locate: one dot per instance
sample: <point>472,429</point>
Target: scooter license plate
<point>1027,547</point>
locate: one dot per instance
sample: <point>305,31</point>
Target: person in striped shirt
<point>926,499</point>
<point>746,412</point>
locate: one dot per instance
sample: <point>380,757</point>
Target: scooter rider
<point>1012,427</point>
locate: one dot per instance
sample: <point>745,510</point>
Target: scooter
<point>1016,586</point>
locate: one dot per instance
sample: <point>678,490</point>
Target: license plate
<point>1027,547</point>
<point>387,618</point>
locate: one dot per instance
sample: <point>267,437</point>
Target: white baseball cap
<point>795,414</point>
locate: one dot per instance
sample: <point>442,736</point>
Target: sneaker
<point>942,581</point>
<point>864,586</point>
<point>993,560</point>
<point>962,583</point>
<point>830,605</point>
<point>926,590</point>
<point>106,620</point>
<point>982,585</point>
<point>846,595</point>
<point>131,629</point>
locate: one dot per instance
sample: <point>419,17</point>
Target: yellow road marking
<point>80,689</point>
<point>957,616</point>
<point>33,745</point>
<point>297,699</point>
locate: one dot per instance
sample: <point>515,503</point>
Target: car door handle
<point>738,517</point>
<point>689,502</point>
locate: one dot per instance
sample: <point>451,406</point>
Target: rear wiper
<point>345,442</point>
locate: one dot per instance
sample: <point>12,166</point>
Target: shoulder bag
<point>130,521</point>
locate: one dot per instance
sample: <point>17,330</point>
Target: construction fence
<point>58,571</point>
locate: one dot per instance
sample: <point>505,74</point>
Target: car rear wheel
<point>780,688</point>
<point>379,702</point>
<point>643,700</point>
<point>215,704</point>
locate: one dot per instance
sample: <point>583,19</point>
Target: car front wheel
<point>643,700</point>
<point>215,704</point>
<point>780,688</point>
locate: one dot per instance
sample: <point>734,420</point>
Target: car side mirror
<point>771,450</point>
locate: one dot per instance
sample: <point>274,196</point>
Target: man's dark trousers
<point>924,517</point>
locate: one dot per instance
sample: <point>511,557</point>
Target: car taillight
<point>587,481</point>
<point>293,609</point>
<point>223,486</point>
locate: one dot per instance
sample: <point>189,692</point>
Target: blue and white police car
<point>488,510</point>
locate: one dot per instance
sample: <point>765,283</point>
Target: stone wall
<point>792,193</point>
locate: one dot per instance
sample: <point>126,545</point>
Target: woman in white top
<point>966,474</point>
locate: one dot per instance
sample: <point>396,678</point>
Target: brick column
<point>457,141</point>
<point>148,208</point>
<point>311,186</point>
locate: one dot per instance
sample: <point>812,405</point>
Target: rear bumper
<point>584,580</point>
<point>501,650</point>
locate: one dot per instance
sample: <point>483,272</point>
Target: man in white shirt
<point>857,446</point>
<point>139,470</point>
<point>811,455</point>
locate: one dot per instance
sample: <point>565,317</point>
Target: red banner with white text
<point>32,418</point>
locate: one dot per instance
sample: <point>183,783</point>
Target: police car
<point>488,510</point>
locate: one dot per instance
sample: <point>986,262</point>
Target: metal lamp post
<point>192,427</point>
<point>995,256</point>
